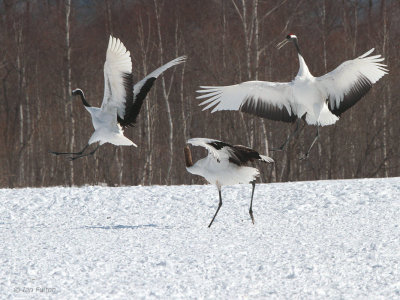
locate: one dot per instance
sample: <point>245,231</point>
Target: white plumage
<point>122,99</point>
<point>118,65</point>
<point>364,70</point>
<point>224,165</point>
<point>319,100</point>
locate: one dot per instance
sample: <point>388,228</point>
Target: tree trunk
<point>166,93</point>
<point>68,108</point>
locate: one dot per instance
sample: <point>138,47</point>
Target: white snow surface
<point>311,240</point>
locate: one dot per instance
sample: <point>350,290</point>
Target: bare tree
<point>68,108</point>
<point>229,42</point>
<point>166,89</point>
<point>145,49</point>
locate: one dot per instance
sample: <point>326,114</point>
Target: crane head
<point>77,92</point>
<point>289,37</point>
<point>80,93</point>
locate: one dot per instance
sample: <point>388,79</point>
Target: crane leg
<point>83,155</point>
<point>251,202</point>
<point>73,153</point>
<point>312,144</point>
<point>290,136</point>
<point>219,206</point>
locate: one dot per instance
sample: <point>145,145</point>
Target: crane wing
<point>350,81</point>
<point>214,147</point>
<point>141,89</point>
<point>117,78</point>
<point>270,100</point>
<point>225,152</point>
<point>246,154</point>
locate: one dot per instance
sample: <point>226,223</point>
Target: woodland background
<point>48,48</point>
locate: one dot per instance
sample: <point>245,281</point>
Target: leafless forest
<point>48,48</point>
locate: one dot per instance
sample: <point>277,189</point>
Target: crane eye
<point>288,36</point>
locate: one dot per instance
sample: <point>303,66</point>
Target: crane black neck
<point>297,46</point>
<point>80,93</point>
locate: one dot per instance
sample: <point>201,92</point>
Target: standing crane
<point>224,165</point>
<point>122,100</point>
<point>317,100</point>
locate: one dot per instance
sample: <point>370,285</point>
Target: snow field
<point>313,240</point>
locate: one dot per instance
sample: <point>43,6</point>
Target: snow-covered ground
<point>326,239</point>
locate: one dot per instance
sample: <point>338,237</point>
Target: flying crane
<point>317,100</point>
<point>122,99</point>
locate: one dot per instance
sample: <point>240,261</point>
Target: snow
<point>311,240</point>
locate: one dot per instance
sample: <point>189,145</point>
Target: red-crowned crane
<point>318,100</point>
<point>122,100</point>
<point>224,165</point>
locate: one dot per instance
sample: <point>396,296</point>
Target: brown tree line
<point>48,48</point>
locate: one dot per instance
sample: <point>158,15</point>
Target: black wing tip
<point>218,144</point>
<point>133,103</point>
<point>265,110</point>
<point>357,91</point>
<point>246,154</point>
<point>239,154</point>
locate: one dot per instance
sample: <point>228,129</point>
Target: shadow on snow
<point>118,226</point>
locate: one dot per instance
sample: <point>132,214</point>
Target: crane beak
<point>281,44</point>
